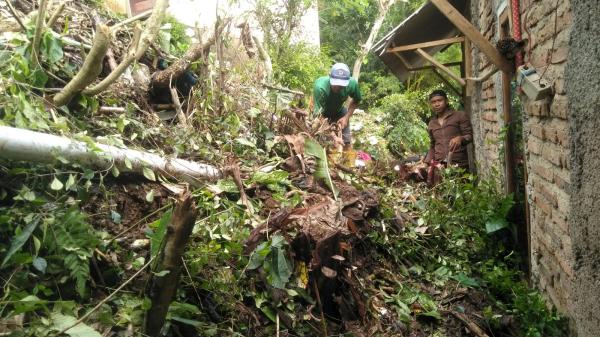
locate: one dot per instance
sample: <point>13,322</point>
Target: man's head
<point>339,77</point>
<point>439,101</point>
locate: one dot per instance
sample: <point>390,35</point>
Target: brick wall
<point>546,137</point>
<point>547,154</point>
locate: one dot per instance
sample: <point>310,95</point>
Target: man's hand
<point>342,122</point>
<point>455,143</point>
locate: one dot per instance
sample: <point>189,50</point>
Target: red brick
<point>562,137</point>
<point>559,107</point>
<point>549,133</point>
<point>560,54</point>
<point>562,180</point>
<point>490,116</point>
<point>552,156</point>
<point>559,85</point>
<point>538,108</point>
<point>549,195</point>
<point>534,146</point>
<point>565,264</point>
<point>537,131</point>
<point>543,204</point>
<point>543,172</point>
<point>560,220</point>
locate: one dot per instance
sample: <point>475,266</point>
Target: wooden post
<point>164,288</point>
<point>473,34</point>
<point>467,69</point>
<point>441,66</point>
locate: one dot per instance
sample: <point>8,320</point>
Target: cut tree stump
<point>164,288</point>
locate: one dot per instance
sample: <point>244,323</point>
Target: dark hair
<point>438,93</point>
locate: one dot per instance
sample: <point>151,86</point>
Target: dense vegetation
<point>70,235</point>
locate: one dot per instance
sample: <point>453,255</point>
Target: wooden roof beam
<point>426,44</point>
<point>473,34</point>
<point>403,61</point>
<point>441,67</point>
<point>456,91</point>
<point>449,64</point>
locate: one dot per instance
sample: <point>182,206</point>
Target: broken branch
<point>264,56</point>
<point>91,68</point>
<point>20,144</point>
<point>137,49</point>
<point>177,104</point>
<point>161,79</point>
<point>140,16</point>
<point>164,287</point>
<point>56,14</point>
<point>13,11</point>
<point>39,27</point>
<point>474,328</point>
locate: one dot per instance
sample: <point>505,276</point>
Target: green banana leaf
<point>312,148</point>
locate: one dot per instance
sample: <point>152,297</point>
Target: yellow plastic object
<point>349,157</point>
<point>334,156</point>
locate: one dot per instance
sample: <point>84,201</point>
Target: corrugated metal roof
<point>426,24</point>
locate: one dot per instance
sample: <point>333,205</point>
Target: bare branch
<point>39,28</point>
<point>137,49</point>
<point>56,14</point>
<point>13,11</point>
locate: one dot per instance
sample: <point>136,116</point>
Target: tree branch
<point>161,79</point>
<point>39,28</point>
<point>137,49</point>
<point>56,14</point>
<point>13,11</point>
<point>91,68</point>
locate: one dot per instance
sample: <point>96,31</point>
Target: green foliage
<point>172,37</point>
<point>55,242</point>
<point>460,213</point>
<point>73,243</point>
<point>60,322</point>
<point>375,86</point>
<point>158,232</point>
<point>299,66</point>
<point>271,256</point>
<point>407,131</point>
<point>312,148</point>
<point>344,24</point>
<point>513,295</point>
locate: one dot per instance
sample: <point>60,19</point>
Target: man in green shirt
<point>330,93</point>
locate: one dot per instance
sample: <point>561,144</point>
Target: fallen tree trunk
<point>164,287</point>
<point>91,68</point>
<point>26,145</point>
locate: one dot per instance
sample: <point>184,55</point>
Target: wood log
<point>26,145</point>
<point>164,287</point>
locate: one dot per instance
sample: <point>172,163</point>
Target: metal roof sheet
<point>426,24</point>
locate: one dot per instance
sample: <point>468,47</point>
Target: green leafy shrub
<point>299,66</point>
<point>407,132</point>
